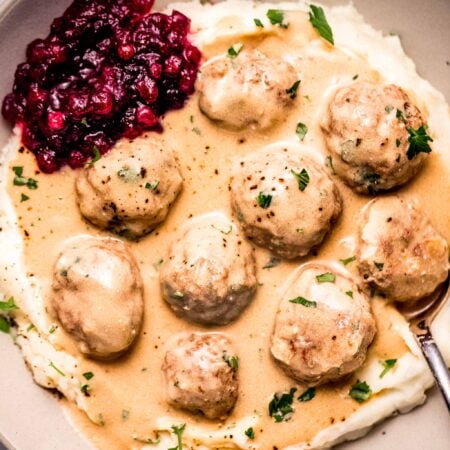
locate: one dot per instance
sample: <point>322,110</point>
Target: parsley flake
<point>152,186</point>
<point>302,178</point>
<point>349,293</point>
<point>319,22</point>
<point>52,365</point>
<point>308,395</point>
<point>232,361</point>
<point>326,277</point>
<point>360,391</point>
<point>24,198</point>
<point>258,23</point>
<point>264,200</point>
<point>234,50</point>
<point>9,305</point>
<point>379,265</point>
<point>96,157</point>
<point>88,375</point>
<point>387,364</point>
<point>20,180</point>
<point>273,262</point>
<point>276,17</point>
<point>304,302</point>
<point>5,326</point>
<point>178,431</point>
<point>346,261</point>
<point>292,91</point>
<point>280,407</point>
<point>301,130</point>
<point>250,433</point>
<point>418,141</point>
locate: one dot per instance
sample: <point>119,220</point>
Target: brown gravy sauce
<point>205,153</point>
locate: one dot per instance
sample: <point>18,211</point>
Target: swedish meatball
<point>97,296</point>
<point>285,201</point>
<point>208,275</point>
<point>323,325</point>
<point>247,91</point>
<point>399,253</point>
<point>366,131</point>
<point>130,190</point>
<point>200,372</point>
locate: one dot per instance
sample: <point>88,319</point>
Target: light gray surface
<point>30,418</point>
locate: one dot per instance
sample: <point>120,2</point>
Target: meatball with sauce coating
<point>200,372</point>
<point>323,326</point>
<point>208,275</point>
<point>98,296</point>
<point>399,253</point>
<point>130,190</point>
<point>366,131</point>
<point>285,201</point>
<point>250,90</point>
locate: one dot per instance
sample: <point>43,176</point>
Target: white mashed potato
<point>401,391</point>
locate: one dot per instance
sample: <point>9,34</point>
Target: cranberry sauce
<point>108,69</point>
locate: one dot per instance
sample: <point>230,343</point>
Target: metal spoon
<point>420,315</point>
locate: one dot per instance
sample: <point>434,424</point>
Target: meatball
<point>250,90</point>
<point>208,275</point>
<point>366,131</point>
<point>285,201</point>
<point>97,296</point>
<point>130,190</point>
<point>323,326</point>
<point>399,253</point>
<point>200,372</point>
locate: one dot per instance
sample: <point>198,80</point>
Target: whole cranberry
<point>102,103</point>
<point>142,6</point>
<point>76,159</point>
<point>146,117</point>
<point>192,54</point>
<point>78,104</point>
<point>126,51</point>
<point>148,89</point>
<point>55,120</point>
<point>172,65</point>
<point>47,161</point>
<point>179,22</point>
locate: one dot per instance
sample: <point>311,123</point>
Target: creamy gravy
<point>205,154</point>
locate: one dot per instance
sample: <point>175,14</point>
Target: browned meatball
<point>131,189</point>
<point>284,200</point>
<point>98,296</point>
<point>399,252</point>
<point>247,91</point>
<point>324,325</point>
<point>208,275</point>
<point>366,131</point>
<point>201,374</point>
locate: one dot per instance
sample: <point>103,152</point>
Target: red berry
<point>146,117</point>
<point>55,120</point>
<point>126,51</point>
<point>172,65</point>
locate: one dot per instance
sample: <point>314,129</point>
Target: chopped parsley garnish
<point>84,121</point>
<point>280,407</point>
<point>319,22</point>
<point>387,364</point>
<point>346,261</point>
<point>52,329</point>
<point>326,277</point>
<point>24,198</point>
<point>308,395</point>
<point>360,391</point>
<point>178,431</point>
<point>304,302</point>
<point>418,141</point>
<point>57,370</point>
<point>86,390</point>
<point>258,23</point>
<point>127,174</point>
<point>301,130</point>
<point>399,116</point>
<point>398,142</point>
<point>302,178</point>
<point>4,324</point>
<point>96,157</point>
<point>227,231</point>
<point>276,17</point>
<point>152,186</point>
<point>234,50</point>
<point>249,432</point>
<point>232,361</point>
<point>31,327</point>
<point>273,262</point>
<point>264,200</point>
<point>379,265</point>
<point>349,293</point>
<point>9,305</point>
<point>88,375</point>
<point>292,91</point>
<point>20,180</point>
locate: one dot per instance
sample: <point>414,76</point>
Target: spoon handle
<point>435,361</point>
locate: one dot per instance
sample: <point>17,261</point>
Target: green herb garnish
<point>326,277</point>
<point>57,370</point>
<point>258,23</point>
<point>319,22</point>
<point>234,50</point>
<point>273,262</point>
<point>152,186</point>
<point>379,265</point>
<point>86,390</point>
<point>346,261</point>
<point>418,141</point>
<point>308,395</point>
<point>349,293</point>
<point>96,157</point>
<point>178,431</point>
<point>304,302</point>
<point>276,17</point>
<point>88,375</point>
<point>20,180</point>
<point>292,91</point>
<point>387,364</point>
<point>5,326</point>
<point>360,391</point>
<point>249,432</point>
<point>232,361</point>
<point>280,407</point>
<point>264,200</point>
<point>399,116</point>
<point>24,198</point>
<point>301,130</point>
<point>9,305</point>
<point>302,178</point>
